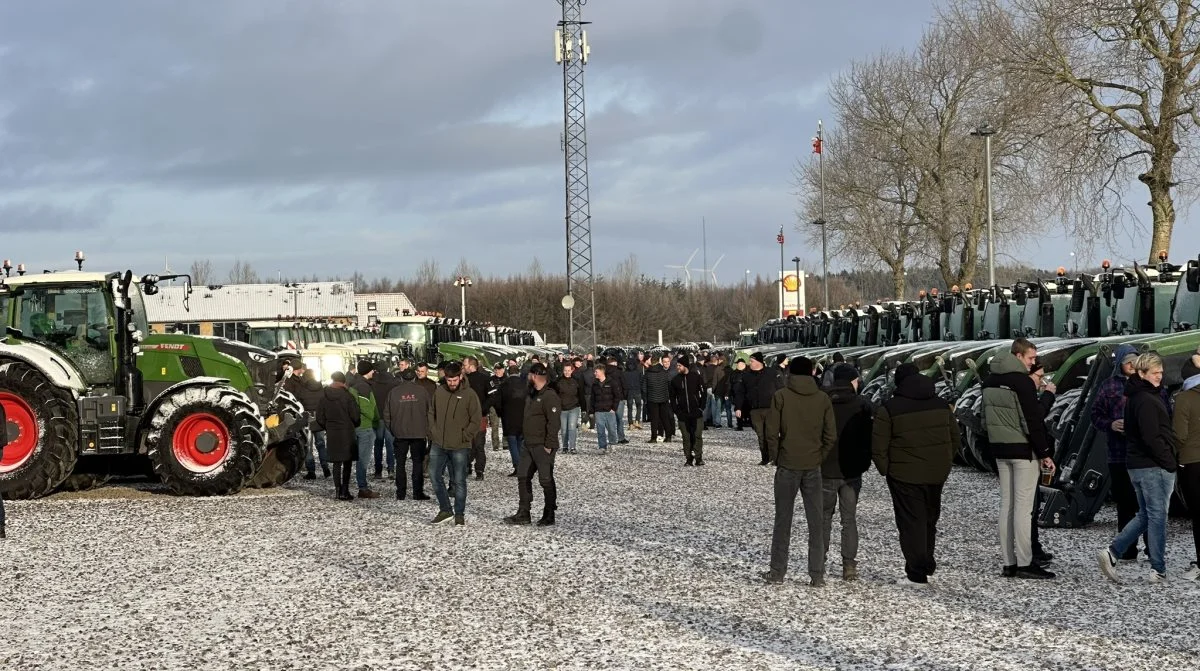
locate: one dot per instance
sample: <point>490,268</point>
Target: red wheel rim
<point>200,443</point>
<point>22,432</point>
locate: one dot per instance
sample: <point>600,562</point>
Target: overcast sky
<point>322,136</point>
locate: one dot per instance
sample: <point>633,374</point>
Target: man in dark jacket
<point>477,380</point>
<point>1152,460</point>
<point>382,383</point>
<point>707,366</point>
<point>510,406</point>
<point>758,387</point>
<point>543,414</point>
<point>572,393</point>
<point>657,391</point>
<point>305,387</point>
<point>720,393</point>
<point>1016,430</point>
<point>605,396</point>
<point>360,388</point>
<point>634,373</point>
<point>914,439</point>
<point>841,473</point>
<point>406,414</point>
<point>688,395</point>
<point>801,431</point>
<point>338,415</point>
<point>495,382</point>
<point>455,420</point>
<point>617,377</point>
<point>735,385</point>
<point>1108,415</point>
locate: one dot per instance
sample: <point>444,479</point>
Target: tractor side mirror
<point>1077,298</point>
<point>1193,276</point>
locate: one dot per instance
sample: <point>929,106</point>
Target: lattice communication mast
<point>571,50</point>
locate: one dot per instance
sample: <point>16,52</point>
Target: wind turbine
<point>686,268</point>
<point>712,272</point>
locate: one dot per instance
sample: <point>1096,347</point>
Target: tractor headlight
<point>259,357</point>
<point>960,377</point>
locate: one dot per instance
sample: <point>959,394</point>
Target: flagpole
<point>781,271</point>
<point>824,234</point>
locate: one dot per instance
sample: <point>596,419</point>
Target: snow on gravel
<point>652,566</point>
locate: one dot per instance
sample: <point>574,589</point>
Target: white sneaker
<point>1108,564</point>
<point>1192,573</point>
<point>1156,578</point>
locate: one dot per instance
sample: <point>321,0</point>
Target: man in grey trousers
<point>800,432</point>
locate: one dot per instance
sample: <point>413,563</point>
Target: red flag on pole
<point>816,144</point>
<point>779,238</point>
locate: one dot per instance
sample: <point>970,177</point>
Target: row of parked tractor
<point>89,392</point>
<point>1077,323</point>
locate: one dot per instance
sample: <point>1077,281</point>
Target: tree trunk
<point>898,280</point>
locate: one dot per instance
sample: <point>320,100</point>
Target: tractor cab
<point>1083,311</point>
<point>995,307</point>
<point>1143,298</point>
<point>959,314</point>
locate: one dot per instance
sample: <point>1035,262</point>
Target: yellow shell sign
<point>791,283</point>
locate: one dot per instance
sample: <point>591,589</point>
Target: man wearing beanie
<point>913,443</point>
<point>360,388</point>
<point>801,431</point>
<point>687,402</point>
<point>541,420</point>
<point>841,474</point>
<point>406,414</point>
<point>752,397</point>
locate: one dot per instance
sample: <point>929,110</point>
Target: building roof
<point>249,302</point>
<point>380,306</point>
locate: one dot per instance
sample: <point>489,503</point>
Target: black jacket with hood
<point>757,388</point>
<point>1009,378</point>
<point>338,416</point>
<point>1148,431</point>
<point>657,384</point>
<point>688,395</point>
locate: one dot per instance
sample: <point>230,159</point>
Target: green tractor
<point>89,392</point>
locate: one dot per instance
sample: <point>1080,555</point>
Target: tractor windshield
<point>72,320</point>
<point>137,304</point>
<point>410,331</point>
<point>270,338</point>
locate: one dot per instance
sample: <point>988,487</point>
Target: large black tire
<point>43,432</point>
<point>206,440</point>
<point>284,458</point>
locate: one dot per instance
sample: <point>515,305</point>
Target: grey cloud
<point>37,216</point>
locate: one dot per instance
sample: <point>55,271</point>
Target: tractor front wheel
<point>42,428</point>
<point>206,440</point>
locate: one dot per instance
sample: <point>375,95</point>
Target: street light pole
<point>462,282</point>
<point>796,260</point>
<point>986,132</point>
<point>818,148</point>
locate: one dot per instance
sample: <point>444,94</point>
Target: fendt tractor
<point>89,392</point>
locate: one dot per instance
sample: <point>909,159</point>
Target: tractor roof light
<point>1106,264</point>
<point>1162,255</point>
<point>1061,272</point>
<point>79,259</point>
<point>20,268</point>
<point>921,294</point>
<point>969,286</point>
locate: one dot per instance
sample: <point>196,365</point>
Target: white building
<point>370,307</point>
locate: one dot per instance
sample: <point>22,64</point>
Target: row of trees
<point>1082,95</point>
<point>630,306</point>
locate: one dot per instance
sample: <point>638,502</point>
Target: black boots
<point>522,517</point>
<point>341,480</point>
<point>547,518</point>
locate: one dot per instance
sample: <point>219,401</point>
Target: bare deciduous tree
<point>202,272</point>
<point>1126,73</point>
<point>242,273</point>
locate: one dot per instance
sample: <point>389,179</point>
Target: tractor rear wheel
<point>42,429</point>
<point>206,440</point>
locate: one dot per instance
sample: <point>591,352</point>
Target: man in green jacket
<point>913,444</point>
<point>455,417</point>
<point>800,432</point>
<point>368,410</point>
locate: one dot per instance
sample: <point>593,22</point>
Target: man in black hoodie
<point>658,398</point>
<point>478,381</point>
<point>841,472</point>
<point>688,396</point>
<point>753,396</point>
<point>510,406</point>
<point>405,412</point>
<point>382,383</point>
<point>634,374</point>
<point>913,442</point>
<point>308,390</point>
<point>618,379</point>
<point>572,393</point>
<point>735,383</point>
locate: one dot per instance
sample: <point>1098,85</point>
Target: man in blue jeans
<point>604,400</point>
<point>455,417</point>
<point>572,393</point>
<point>1150,458</point>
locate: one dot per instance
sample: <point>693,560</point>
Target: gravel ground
<point>652,566</point>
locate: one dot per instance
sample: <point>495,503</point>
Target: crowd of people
<point>823,441</point>
<point>811,424</point>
